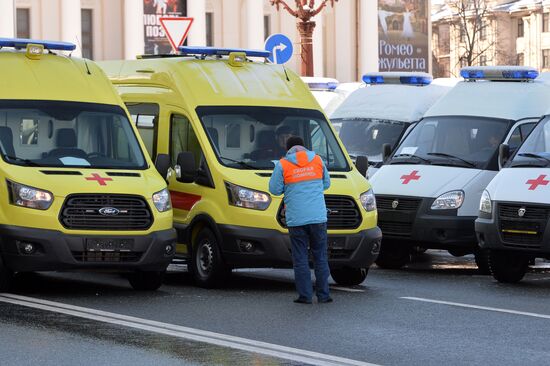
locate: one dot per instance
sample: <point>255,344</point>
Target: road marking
<point>477,307</point>
<point>346,289</point>
<point>218,339</point>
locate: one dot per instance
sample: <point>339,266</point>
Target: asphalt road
<point>436,311</point>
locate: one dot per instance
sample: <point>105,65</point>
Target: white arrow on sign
<point>176,29</point>
<point>281,47</point>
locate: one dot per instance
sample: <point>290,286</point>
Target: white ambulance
<point>429,189</point>
<point>515,207</point>
<point>328,92</point>
<point>380,114</point>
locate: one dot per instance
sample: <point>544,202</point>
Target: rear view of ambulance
<point>381,113</point>
<point>77,190</point>
<point>514,210</point>
<point>428,192</point>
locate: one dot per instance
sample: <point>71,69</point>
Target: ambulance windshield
<point>255,137</point>
<point>535,150</point>
<point>469,142</point>
<point>68,134</point>
<point>366,136</point>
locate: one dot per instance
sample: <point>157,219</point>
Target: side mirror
<point>186,171</point>
<point>386,152</point>
<point>162,163</point>
<point>503,154</point>
<point>362,164</point>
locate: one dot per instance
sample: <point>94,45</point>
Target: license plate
<point>336,243</point>
<point>109,245</point>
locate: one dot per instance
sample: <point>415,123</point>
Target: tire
<point>146,281</point>
<point>347,276</point>
<point>207,265</point>
<point>6,278</point>
<point>507,267</point>
<point>393,256</point>
<point>482,261</point>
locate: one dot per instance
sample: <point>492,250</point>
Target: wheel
<point>207,266</point>
<point>507,267</point>
<point>6,277</point>
<point>347,276</point>
<point>482,260</point>
<point>392,255</point>
<point>146,281</point>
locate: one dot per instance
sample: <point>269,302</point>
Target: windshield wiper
<point>535,156</point>
<point>26,161</point>
<point>240,162</point>
<point>413,156</point>
<point>469,163</point>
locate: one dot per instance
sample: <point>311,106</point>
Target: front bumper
<point>57,251</point>
<point>418,225</point>
<point>490,235</point>
<point>271,248</point>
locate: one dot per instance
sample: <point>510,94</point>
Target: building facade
<point>511,33</point>
<point>345,38</point>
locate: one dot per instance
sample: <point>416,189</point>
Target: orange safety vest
<point>304,170</point>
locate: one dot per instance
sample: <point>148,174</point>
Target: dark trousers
<point>313,236</point>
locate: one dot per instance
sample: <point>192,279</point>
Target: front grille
<point>403,204</point>
<point>524,231</point>
<point>396,215</point>
<point>342,213</point>
<point>82,212</point>
<point>395,228</point>
<point>106,257</point>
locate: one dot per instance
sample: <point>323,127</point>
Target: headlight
<point>248,198</point>
<point>485,205</point>
<point>25,196</point>
<point>368,201</point>
<point>161,199</point>
<point>448,201</point>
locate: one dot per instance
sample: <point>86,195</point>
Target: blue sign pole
<point>280,47</point>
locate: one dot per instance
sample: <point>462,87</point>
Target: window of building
<point>482,60</point>
<point>520,59</point>
<point>482,30</point>
<point>23,19</point>
<point>546,58</point>
<point>209,29</point>
<point>546,22</point>
<point>462,34</point>
<point>87,33</point>
<point>267,26</point>
<point>520,28</point>
<point>463,61</point>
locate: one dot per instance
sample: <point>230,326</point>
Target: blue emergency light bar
<point>397,78</point>
<point>49,45</point>
<point>499,73</point>
<point>214,51</point>
<point>330,85</point>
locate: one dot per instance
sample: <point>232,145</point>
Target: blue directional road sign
<point>280,47</point>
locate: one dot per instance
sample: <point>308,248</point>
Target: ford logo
<point>109,211</point>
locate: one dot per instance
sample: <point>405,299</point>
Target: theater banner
<point>156,41</point>
<point>403,28</point>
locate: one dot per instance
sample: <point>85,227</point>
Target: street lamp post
<point>305,10</point>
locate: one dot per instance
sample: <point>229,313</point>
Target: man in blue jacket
<point>303,177</point>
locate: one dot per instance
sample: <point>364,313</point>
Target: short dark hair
<point>293,141</point>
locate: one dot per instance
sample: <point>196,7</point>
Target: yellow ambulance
<point>223,116</point>
<point>78,191</point>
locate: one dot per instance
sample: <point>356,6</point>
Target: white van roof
<point>406,103</point>
<point>511,100</point>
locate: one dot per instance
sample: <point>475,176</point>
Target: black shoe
<point>325,301</point>
<point>302,300</point>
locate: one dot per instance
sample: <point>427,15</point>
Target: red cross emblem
<point>99,179</point>
<point>412,176</point>
<point>540,181</point>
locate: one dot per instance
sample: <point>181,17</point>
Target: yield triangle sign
<point>176,29</point>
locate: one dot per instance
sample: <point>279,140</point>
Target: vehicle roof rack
<point>215,51</point>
